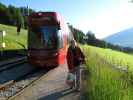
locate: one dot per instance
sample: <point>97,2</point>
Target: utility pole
<point>27,8</point>
<point>2,34</point>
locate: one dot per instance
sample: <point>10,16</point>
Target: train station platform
<point>50,86</point>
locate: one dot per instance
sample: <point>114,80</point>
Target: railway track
<point>15,76</point>
<point>11,64</point>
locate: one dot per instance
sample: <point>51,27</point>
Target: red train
<point>47,39</point>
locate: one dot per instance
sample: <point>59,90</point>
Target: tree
<point>14,16</point>
<point>4,17</point>
<point>77,34</point>
<point>19,18</point>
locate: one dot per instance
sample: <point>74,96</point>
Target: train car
<point>47,39</point>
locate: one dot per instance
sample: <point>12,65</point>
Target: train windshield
<point>46,37</point>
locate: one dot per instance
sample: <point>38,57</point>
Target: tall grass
<point>104,81</point>
<point>116,58</point>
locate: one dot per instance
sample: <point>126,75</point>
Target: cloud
<point>109,22</point>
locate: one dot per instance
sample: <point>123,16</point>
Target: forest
<point>14,16</point>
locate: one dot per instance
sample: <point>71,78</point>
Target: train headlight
<point>39,13</point>
<point>55,54</point>
<point>28,54</point>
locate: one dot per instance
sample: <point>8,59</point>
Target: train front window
<point>49,36</point>
<point>44,37</point>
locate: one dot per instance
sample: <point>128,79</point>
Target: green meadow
<point>106,81</point>
<point>12,40</point>
<point>116,58</point>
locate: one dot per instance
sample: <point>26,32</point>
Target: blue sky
<point>102,17</point>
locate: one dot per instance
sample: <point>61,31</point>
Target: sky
<point>101,17</point>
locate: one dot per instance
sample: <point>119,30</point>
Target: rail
<point>12,64</point>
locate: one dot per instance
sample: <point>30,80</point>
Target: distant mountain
<point>122,38</point>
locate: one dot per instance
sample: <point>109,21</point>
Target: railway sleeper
<point>6,85</point>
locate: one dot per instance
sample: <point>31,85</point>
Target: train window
<point>49,36</point>
<point>60,39</point>
<point>35,40</point>
<point>46,37</point>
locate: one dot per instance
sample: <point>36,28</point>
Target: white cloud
<point>111,21</point>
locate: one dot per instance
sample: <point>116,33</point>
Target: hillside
<point>122,38</point>
<point>12,40</point>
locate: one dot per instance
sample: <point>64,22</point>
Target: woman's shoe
<point>77,89</point>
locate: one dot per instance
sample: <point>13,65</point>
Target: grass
<point>116,58</point>
<point>104,81</point>
<point>12,40</point>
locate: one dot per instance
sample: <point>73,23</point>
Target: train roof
<point>52,14</point>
